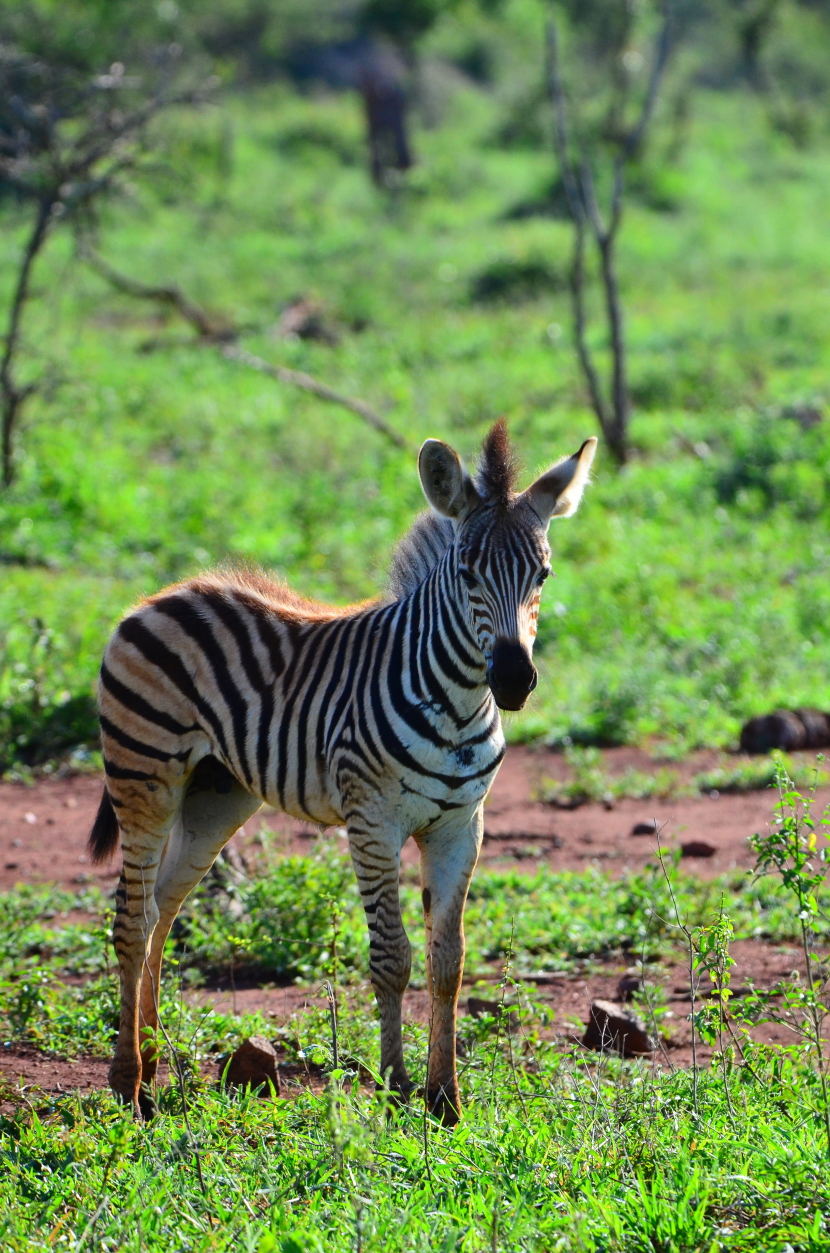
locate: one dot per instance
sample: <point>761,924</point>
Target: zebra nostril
<point>511,675</point>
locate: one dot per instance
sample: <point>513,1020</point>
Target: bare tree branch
<point>210,330</point>
<point>586,361</point>
<point>661,59</point>
<point>589,196</point>
<point>205,325</point>
<point>67,152</point>
<point>12,397</point>
<point>560,114</point>
<point>579,214</point>
<point>296,378</point>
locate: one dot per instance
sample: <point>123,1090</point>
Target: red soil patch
<point>30,1076</point>
<point>43,828</point>
<point>43,831</point>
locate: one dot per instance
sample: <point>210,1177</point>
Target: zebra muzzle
<point>511,674</point>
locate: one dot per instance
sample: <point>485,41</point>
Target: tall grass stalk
<point>790,850</point>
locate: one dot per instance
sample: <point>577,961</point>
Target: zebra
<point>229,690</point>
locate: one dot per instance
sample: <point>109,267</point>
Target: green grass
<point>689,589</point>
<point>556,1150</point>
<point>572,1160</point>
<point>591,781</point>
<point>57,984</point>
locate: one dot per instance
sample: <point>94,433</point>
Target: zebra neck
<point>447,664</point>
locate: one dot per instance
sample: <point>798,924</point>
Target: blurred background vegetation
<point>369,193</point>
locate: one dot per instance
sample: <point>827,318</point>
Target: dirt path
<point>43,828</point>
<point>43,831</point>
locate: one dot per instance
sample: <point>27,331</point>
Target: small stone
<point>71,803</point>
<point>629,984</point>
<point>253,1064</point>
<point>697,848</point>
<point>614,1030</point>
<point>645,828</point>
<point>30,818</point>
<point>11,865</point>
<point>17,843</point>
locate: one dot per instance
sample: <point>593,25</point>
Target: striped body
<point>228,691</point>
<point>316,712</point>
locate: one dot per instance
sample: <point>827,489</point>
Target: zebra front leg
<point>448,858</point>
<point>377,861</point>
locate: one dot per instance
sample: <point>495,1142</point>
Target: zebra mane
<point>418,552</point>
<point>497,467</point>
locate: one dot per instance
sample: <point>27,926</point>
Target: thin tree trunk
<point>617,432</point>
<point>12,396</point>
<point>579,215</point>
<point>615,427</point>
<point>586,361</point>
<point>613,413</point>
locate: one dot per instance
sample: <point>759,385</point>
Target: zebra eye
<point>541,577</point>
<point>468,578</point>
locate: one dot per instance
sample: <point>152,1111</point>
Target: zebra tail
<point>104,834</point>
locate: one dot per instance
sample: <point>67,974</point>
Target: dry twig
<point>220,332</point>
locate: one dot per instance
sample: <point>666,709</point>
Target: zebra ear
<point>447,487</point>
<point>557,492</point>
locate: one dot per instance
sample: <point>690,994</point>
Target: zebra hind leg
<point>146,815</point>
<point>215,807</point>
<point>377,862</point>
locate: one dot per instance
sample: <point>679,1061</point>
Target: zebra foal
<point>228,690</point>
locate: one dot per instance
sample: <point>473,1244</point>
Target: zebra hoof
<point>147,1106</point>
<point>397,1094</point>
<point>444,1106</point>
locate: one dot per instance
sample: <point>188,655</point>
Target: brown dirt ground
<point>43,828</point>
<point>43,831</point>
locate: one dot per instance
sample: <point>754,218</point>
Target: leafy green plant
<point>591,782</point>
<point>795,850</point>
<point>279,925</point>
<point>752,776</point>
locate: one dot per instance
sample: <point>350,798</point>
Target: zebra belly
<point>320,809</point>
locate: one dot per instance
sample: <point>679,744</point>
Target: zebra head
<point>500,553</point>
